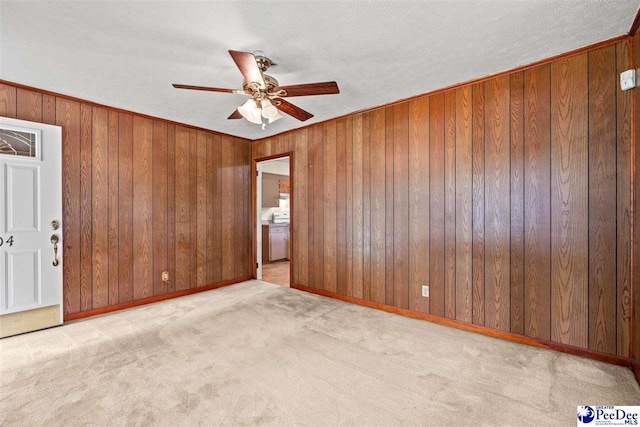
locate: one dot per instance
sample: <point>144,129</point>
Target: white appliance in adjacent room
<point>281,217</point>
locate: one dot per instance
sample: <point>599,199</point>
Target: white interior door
<point>30,226</point>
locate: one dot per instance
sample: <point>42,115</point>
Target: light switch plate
<point>628,79</point>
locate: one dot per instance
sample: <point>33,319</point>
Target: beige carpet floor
<point>261,354</point>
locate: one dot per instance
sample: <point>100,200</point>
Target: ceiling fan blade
<point>248,66</point>
<point>210,89</point>
<point>235,115</point>
<point>292,110</point>
<point>323,88</point>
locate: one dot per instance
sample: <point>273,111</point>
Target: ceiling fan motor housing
<point>270,83</point>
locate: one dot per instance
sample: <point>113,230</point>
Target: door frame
<point>254,210</point>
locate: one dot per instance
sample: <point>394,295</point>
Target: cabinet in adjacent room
<point>275,242</point>
<point>272,186</point>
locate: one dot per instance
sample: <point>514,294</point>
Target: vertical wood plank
<point>257,150</point>
<point>366,206</point>
<point>537,219</point>
<point>86,235</point>
<point>210,191</point>
<point>201,208</point>
<point>49,109</point>
<point>294,207</point>
<point>239,220</point>
<point>625,170</point>
<point>450,204</point>
<point>99,208</point>
<point>28,105</point>
<point>247,183</point>
<point>341,206</point>
<point>349,201</point>
<point>142,207</point>
<point>68,116</point>
<point>159,200</point>
<point>228,206</point>
<point>318,207</point>
<point>8,103</point>
<point>358,206</point>
<point>246,260</point>
<point>478,92</point>
<point>171,207</point>
<point>437,205</point>
<point>112,201</point>
<point>217,208</point>
<point>193,210</point>
<point>602,199</point>
<point>634,155</point>
<point>401,205</point>
<point>389,165</point>
<point>418,203</point>
<point>378,206</point>
<point>183,207</point>
<point>464,205</point>
<point>125,207</point>
<point>497,209</point>
<point>517,203</point>
<point>281,144</point>
<point>310,204</point>
<point>330,206</point>
<point>569,209</point>
<point>302,175</point>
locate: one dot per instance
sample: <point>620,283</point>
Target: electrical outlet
<point>628,79</point>
<point>165,276</point>
<point>425,291</point>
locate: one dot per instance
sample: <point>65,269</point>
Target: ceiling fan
<point>265,91</point>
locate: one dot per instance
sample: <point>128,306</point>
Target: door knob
<point>54,240</point>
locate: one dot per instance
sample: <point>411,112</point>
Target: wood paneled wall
<point>636,241</point>
<point>142,196</point>
<point>510,198</point>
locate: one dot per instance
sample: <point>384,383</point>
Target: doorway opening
<point>273,202</point>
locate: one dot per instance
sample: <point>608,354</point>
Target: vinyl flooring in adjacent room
<point>277,273</point>
<point>260,354</point>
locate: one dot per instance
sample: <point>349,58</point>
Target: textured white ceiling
<point>127,54</point>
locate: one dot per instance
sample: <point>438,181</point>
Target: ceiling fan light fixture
<point>269,111</point>
<point>277,116</point>
<point>250,111</point>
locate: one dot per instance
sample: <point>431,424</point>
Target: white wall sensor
<point>628,79</point>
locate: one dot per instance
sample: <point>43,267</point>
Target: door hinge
<point>257,173</point>
<point>257,265</point>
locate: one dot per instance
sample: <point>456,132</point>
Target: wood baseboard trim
<point>510,336</point>
<point>149,300</point>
